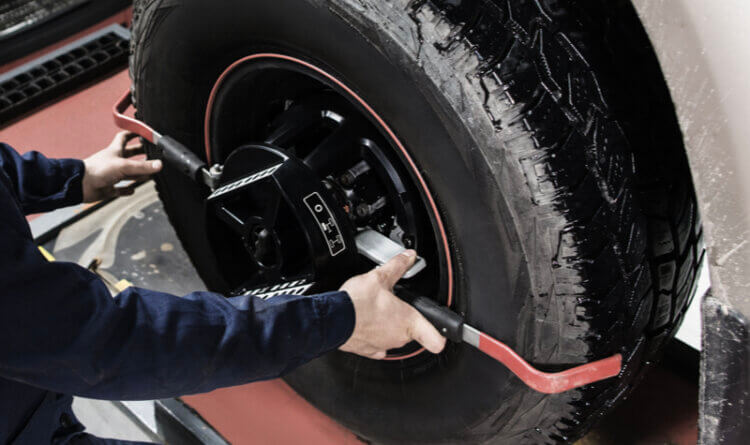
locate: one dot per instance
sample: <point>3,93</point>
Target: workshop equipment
<point>246,195</point>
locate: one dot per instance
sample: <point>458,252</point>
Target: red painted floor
<point>73,127</point>
<point>267,413</point>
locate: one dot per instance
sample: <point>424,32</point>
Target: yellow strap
<point>122,285</point>
<point>46,254</point>
<point>119,286</point>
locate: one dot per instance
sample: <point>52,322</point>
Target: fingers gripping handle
<point>448,323</point>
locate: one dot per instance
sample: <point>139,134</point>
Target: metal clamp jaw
<point>212,176</point>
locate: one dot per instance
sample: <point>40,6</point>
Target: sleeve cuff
<point>72,192</point>
<point>336,318</point>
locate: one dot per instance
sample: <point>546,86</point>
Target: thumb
<point>120,139</point>
<point>425,333</point>
<point>396,267</point>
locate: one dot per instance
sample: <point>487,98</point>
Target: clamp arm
<point>171,151</point>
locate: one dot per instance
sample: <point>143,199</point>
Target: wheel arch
<point>706,64</point>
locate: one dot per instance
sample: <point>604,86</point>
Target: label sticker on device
<point>326,222</point>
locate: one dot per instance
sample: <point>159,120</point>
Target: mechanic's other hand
<point>107,167</point>
<point>383,321</point>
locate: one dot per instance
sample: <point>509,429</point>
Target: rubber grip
<point>447,322</point>
<point>178,156</point>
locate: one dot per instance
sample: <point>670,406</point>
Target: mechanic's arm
<point>41,184</point>
<point>61,330</point>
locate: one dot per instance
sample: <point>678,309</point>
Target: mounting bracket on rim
<point>284,215</point>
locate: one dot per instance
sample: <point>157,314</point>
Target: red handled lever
<point>172,152</point>
<point>452,326</point>
<point>131,124</point>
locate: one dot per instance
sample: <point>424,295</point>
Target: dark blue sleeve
<point>61,330</point>
<point>41,184</point>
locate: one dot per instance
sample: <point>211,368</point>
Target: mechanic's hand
<point>383,321</point>
<point>107,167</point>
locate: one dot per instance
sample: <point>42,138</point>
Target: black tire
<point>547,135</point>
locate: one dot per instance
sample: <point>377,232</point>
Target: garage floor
<point>662,410</point>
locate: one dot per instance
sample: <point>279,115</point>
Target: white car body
<point>704,51</point>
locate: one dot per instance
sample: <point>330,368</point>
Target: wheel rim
<point>289,103</point>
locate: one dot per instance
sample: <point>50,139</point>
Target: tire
<point>549,140</point>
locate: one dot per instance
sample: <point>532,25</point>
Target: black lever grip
<point>447,322</point>
<point>180,157</point>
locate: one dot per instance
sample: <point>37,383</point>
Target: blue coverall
<point>62,334</point>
